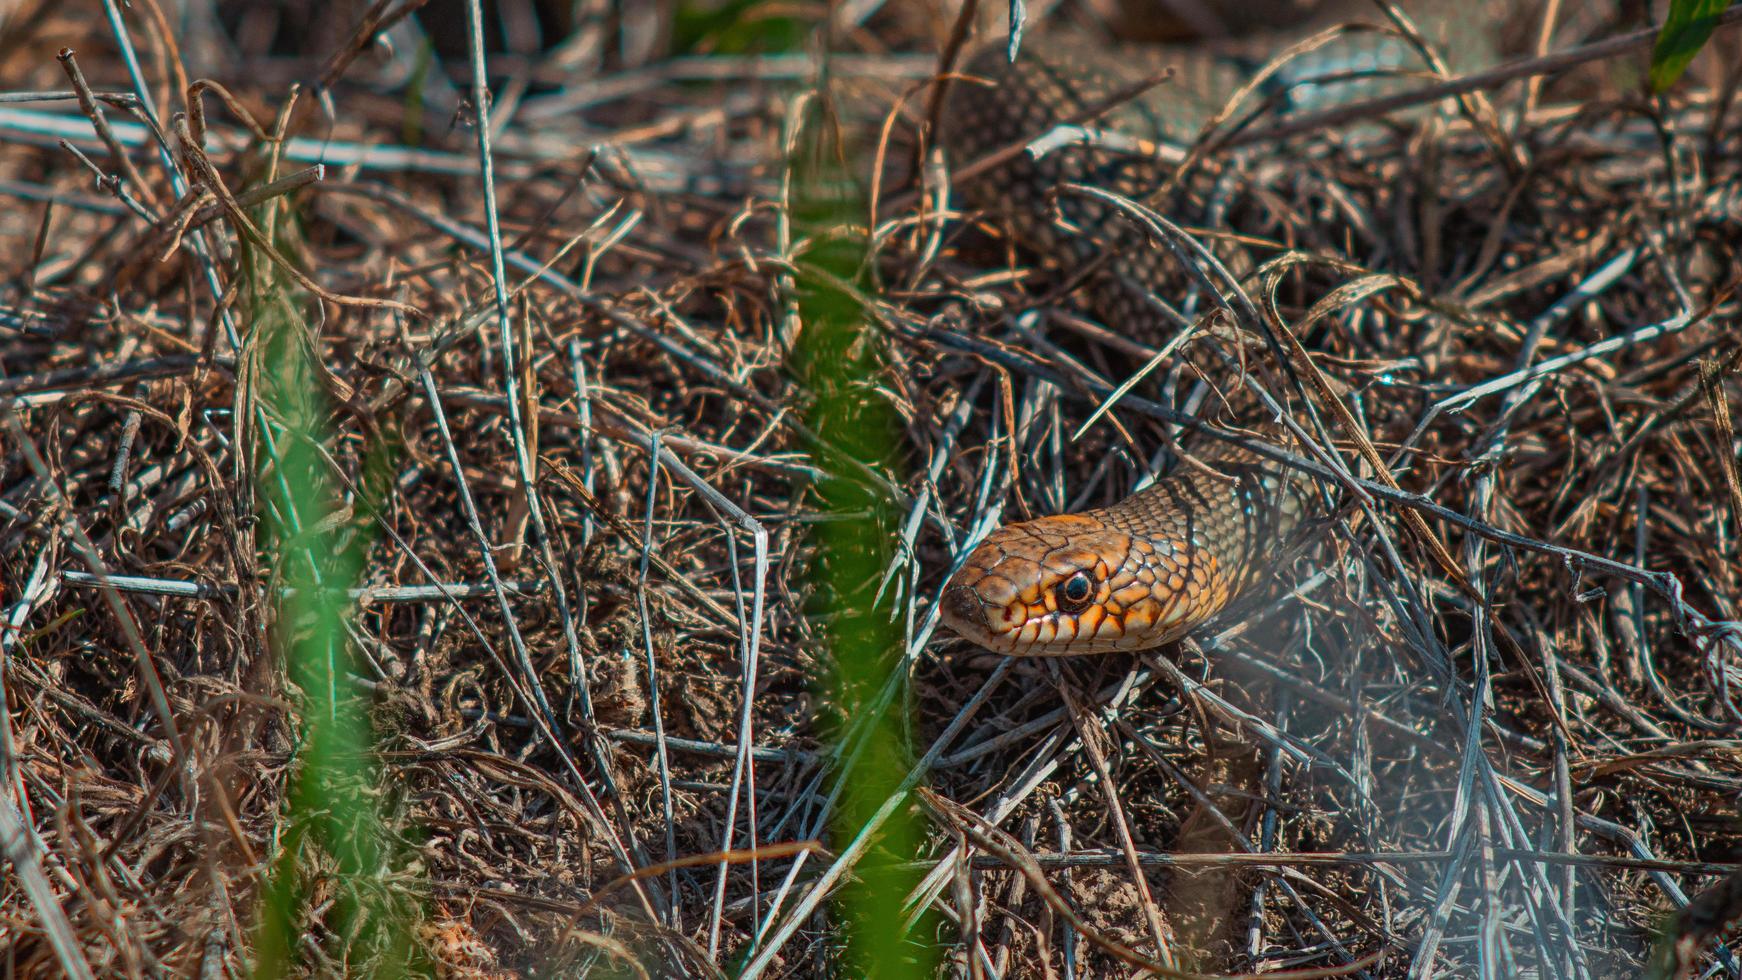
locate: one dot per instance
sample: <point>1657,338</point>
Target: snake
<point>1169,558</point>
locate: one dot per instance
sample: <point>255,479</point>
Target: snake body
<point>1149,569</point>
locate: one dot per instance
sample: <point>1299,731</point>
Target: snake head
<point>1074,584</point>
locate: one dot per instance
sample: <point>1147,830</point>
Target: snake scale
<point>1149,569</point>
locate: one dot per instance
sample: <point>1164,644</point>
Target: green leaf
<point>735,27</point>
<point>1684,33</point>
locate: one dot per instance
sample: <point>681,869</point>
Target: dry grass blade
<point>1001,846</point>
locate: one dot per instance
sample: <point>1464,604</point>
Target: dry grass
<point>1521,756</point>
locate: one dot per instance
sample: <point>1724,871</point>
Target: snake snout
<point>965,612</point>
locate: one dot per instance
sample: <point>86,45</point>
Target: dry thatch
<point>1488,713</point>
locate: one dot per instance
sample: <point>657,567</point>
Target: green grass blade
<point>839,359</point>
<point>1685,32</point>
<point>338,871</point>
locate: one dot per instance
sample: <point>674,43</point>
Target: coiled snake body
<point>1146,571</point>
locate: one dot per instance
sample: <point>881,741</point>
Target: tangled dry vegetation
<point>1488,714</point>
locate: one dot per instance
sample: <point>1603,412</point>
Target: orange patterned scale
<point>1132,576</point>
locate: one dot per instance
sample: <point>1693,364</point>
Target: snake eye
<point>1073,593</point>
